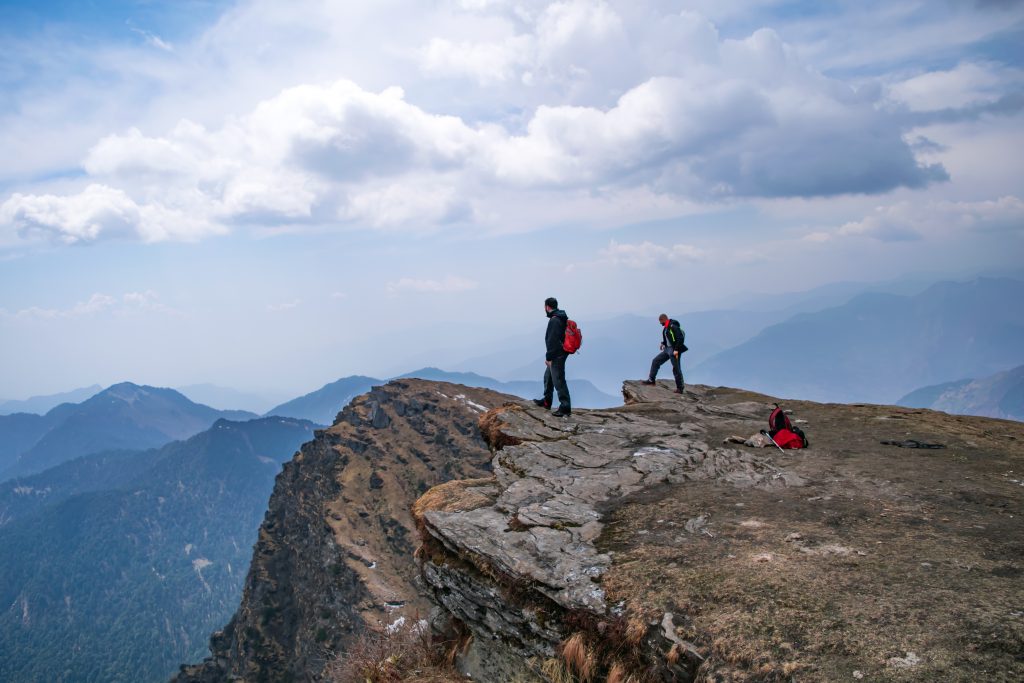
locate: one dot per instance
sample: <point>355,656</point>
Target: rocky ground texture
<point>633,542</point>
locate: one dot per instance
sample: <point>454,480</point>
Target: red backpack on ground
<point>785,434</point>
<point>573,337</point>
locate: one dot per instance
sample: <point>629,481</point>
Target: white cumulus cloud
<point>571,102</point>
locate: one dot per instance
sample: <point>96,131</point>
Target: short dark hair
<point>551,302</point>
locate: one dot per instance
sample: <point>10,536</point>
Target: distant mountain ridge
<point>321,406</point>
<point>40,405</point>
<point>123,416</point>
<point>999,395</point>
<point>878,347</point>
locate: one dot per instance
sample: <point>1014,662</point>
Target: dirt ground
<point>890,564</point>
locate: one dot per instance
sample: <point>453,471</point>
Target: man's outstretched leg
<point>656,364</point>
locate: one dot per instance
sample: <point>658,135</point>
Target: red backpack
<point>573,337</point>
<point>778,421</point>
<point>779,426</point>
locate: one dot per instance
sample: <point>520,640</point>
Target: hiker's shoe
<point>541,403</point>
<point>562,412</point>
<point>678,391</point>
<point>650,382</point>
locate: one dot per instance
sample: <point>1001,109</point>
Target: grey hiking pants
<point>677,369</point>
<point>554,379</point>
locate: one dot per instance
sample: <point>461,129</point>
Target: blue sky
<point>271,195</point>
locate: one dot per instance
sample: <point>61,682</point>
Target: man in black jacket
<point>672,347</point>
<point>554,373</point>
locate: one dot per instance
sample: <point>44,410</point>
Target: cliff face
<point>630,542</point>
<point>334,553</point>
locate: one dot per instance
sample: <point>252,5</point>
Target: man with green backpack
<point>672,348</point>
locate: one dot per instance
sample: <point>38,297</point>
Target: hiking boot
<point>678,391</point>
<point>562,412</point>
<point>541,403</point>
<point>649,382</point>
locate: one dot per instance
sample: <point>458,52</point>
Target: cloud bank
<point>621,102</point>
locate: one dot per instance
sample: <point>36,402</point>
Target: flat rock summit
<point>635,543</point>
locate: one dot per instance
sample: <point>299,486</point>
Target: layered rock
<point>334,554</point>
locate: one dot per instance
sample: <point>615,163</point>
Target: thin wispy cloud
<point>449,283</point>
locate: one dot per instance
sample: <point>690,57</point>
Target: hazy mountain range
<point>123,416</point>
<point>117,566</point>
<point>876,344</point>
<point>841,342</point>
<point>878,347</point>
<point>999,395</point>
<point>43,404</point>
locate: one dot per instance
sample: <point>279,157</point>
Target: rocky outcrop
<point>633,544</point>
<point>629,542</point>
<point>334,554</point>
<point>537,524</point>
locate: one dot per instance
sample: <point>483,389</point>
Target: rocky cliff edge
<point>632,544</point>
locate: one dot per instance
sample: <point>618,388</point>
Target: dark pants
<point>677,370</point>
<point>554,379</point>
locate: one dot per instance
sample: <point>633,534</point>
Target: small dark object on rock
<point>913,443</point>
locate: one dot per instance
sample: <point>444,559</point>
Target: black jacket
<point>555,335</point>
<point>672,336</point>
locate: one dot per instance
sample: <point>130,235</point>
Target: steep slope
<point>335,549</point>
<point>926,396</point>
<point>18,433</point>
<point>122,417</point>
<point>628,543</point>
<point>324,404</point>
<point>878,347</point>
<point>122,584</point>
<point>40,405</point>
<point>1000,395</point>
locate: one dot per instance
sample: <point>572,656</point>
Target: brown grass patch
<point>636,629</point>
<point>580,657</point>
<point>400,655</point>
<point>452,496</point>
<point>490,424</point>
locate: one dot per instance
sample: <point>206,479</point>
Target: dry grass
<point>490,428</point>
<point>580,657</point>
<point>556,671</point>
<point>453,496</point>
<point>636,629</point>
<point>406,654</point>
<point>617,674</point>
<point>882,553</point>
